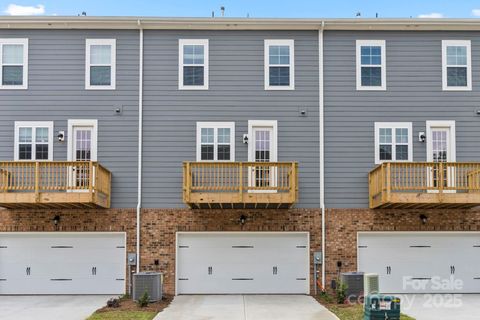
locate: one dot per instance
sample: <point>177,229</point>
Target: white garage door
<point>62,263</point>
<point>412,262</point>
<point>242,262</point>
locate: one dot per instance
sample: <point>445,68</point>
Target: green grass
<point>123,315</point>
<point>353,312</point>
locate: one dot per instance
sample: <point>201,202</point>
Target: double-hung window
<point>456,65</point>
<point>100,64</point>
<point>33,140</point>
<point>193,64</point>
<point>215,141</point>
<point>371,69</point>
<point>393,141</point>
<point>279,65</point>
<point>14,63</point>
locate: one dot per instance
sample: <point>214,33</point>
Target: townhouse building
<point>217,150</point>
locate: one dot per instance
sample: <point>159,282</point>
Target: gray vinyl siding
<point>236,93</point>
<point>414,94</point>
<point>56,92</point>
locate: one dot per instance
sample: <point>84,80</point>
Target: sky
<point>248,8</point>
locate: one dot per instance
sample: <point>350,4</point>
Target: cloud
<point>476,12</point>
<point>17,10</point>
<point>431,15</point>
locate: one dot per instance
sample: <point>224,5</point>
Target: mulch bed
<point>127,304</point>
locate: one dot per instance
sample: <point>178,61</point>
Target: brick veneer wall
<point>342,226</point>
<point>159,227</point>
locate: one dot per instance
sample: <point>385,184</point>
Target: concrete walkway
<point>441,306</point>
<point>245,307</point>
<point>50,307</point>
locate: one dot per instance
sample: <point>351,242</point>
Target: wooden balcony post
<point>37,182</point>
<point>90,180</point>
<point>186,181</point>
<point>293,183</point>
<point>440,180</point>
<point>389,181</point>
<point>370,192</point>
<point>240,180</point>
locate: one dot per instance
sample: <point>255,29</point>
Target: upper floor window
<point>371,70</point>
<point>279,65</point>
<point>100,64</point>
<point>393,141</point>
<point>193,64</point>
<point>456,65</point>
<point>14,63</point>
<point>33,140</point>
<point>215,141</point>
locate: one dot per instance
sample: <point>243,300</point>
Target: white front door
<point>422,262</point>
<point>242,263</point>
<point>262,148</point>
<point>62,263</point>
<point>440,148</point>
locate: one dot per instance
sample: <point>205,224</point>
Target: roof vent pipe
<point>222,9</point>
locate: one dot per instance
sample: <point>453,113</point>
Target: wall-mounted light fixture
<point>421,136</point>
<point>423,218</point>
<point>243,219</point>
<point>56,220</point>
<point>245,138</point>
<point>61,136</point>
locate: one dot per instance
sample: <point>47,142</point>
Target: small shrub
<point>341,293</point>
<point>113,303</point>
<point>326,297</point>
<point>143,301</point>
<point>125,296</point>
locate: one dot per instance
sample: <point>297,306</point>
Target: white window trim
<point>215,126</point>
<point>445,44</point>
<point>80,123</point>
<point>113,63</point>
<point>393,126</point>
<point>452,138</point>
<point>251,145</point>
<point>383,65</point>
<point>23,42</point>
<point>199,42</point>
<point>33,125</point>
<point>291,65</point>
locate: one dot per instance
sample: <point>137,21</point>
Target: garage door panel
<point>61,263</point>
<point>422,260</point>
<point>242,263</point>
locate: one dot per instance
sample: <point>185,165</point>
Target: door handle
<point>275,270</point>
<point>210,270</point>
<point>94,271</point>
<point>27,271</point>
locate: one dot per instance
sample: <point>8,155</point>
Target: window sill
<point>100,88</point>
<point>186,88</point>
<point>279,88</point>
<point>371,89</point>
<point>13,87</point>
<point>456,89</point>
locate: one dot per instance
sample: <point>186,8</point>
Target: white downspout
<point>322,145</point>
<point>140,139</point>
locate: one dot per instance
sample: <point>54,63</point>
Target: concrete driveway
<point>441,306</point>
<point>243,307</point>
<point>50,307</point>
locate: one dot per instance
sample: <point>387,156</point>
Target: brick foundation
<point>159,227</point>
<point>342,226</point>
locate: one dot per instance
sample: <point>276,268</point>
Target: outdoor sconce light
<point>56,220</point>
<point>423,218</point>
<point>245,138</point>
<point>421,136</point>
<point>243,219</point>
<point>61,136</point>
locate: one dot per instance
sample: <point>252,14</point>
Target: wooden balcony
<point>425,185</point>
<point>54,184</point>
<point>240,184</point>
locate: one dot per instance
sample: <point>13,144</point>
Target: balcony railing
<point>240,184</point>
<point>59,184</point>
<point>425,185</point>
